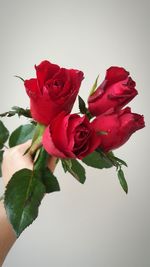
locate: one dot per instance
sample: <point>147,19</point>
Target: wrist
<point>2,210</point>
<point>4,219</point>
<point>7,234</point>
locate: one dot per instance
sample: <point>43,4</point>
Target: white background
<point>95,224</point>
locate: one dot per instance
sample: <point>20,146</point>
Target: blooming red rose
<point>115,92</point>
<point>70,136</point>
<point>54,90</point>
<point>119,127</point>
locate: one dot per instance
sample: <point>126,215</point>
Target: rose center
<point>57,84</point>
<point>81,136</point>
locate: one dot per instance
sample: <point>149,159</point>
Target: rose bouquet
<point>79,139</point>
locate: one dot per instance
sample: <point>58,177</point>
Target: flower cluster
<point>52,95</point>
<point>88,137</point>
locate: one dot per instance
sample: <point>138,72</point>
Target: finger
<point>26,144</point>
<point>52,163</point>
<point>23,147</point>
<point>5,148</point>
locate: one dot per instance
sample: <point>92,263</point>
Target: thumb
<point>23,147</point>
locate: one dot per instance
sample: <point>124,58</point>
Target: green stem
<point>37,139</point>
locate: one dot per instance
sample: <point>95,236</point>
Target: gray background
<point>95,224</point>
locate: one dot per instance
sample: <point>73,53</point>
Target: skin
<point>13,161</point>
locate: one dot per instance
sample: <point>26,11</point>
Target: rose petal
<point>50,146</point>
<point>45,71</point>
<point>111,125</point>
<point>92,143</point>
<point>32,88</point>
<point>59,131</point>
<point>115,74</point>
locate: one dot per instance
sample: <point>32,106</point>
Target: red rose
<point>115,92</point>
<point>119,127</point>
<point>70,136</point>
<point>54,90</point>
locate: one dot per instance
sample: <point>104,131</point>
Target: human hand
<point>15,160</point>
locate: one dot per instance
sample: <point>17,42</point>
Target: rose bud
<point>70,136</point>
<point>115,92</point>
<point>54,90</point>
<point>118,126</point>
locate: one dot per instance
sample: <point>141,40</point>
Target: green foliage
<point>17,111</point>
<point>97,160</point>
<point>94,87</point>
<point>120,161</point>
<point>75,168</point>
<point>22,134</point>
<point>117,162</point>
<point>48,178</point>
<point>19,78</point>
<point>65,165</point>
<point>122,180</point>
<point>83,109</point>
<point>4,134</point>
<point>50,181</point>
<point>1,158</point>
<point>23,196</point>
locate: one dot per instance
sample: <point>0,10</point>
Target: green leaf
<point>82,106</point>
<point>1,159</point>
<point>98,161</point>
<point>47,177</point>
<point>121,161</point>
<point>50,181</point>
<point>22,134</point>
<point>68,163</point>
<point>22,111</point>
<point>17,110</point>
<point>8,114</point>
<point>4,134</point>
<point>78,171</point>
<point>23,196</point>
<point>93,89</point>
<point>83,109</point>
<point>122,180</point>
<point>75,168</point>
<point>64,165</point>
<point>117,162</point>
<point>19,78</point>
